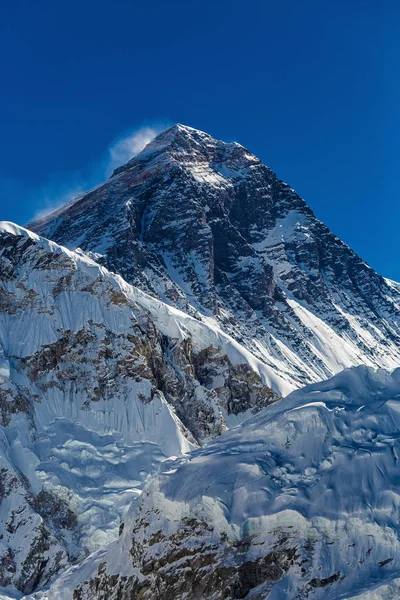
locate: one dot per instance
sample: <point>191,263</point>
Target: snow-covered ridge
<point>301,502</point>
<point>99,382</point>
<point>171,321</point>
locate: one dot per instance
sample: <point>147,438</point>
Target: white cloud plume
<point>54,196</point>
<point>127,147</point>
<point>62,189</point>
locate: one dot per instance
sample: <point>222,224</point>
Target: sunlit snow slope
<point>300,502</point>
<point>99,382</point>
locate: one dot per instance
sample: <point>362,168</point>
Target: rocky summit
<point>204,226</point>
<point>155,442</point>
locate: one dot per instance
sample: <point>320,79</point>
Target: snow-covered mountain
<point>206,227</point>
<point>186,295</point>
<point>99,382</point>
<point>300,502</point>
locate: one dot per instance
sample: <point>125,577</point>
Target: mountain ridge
<point>99,382</point>
<point>206,227</point>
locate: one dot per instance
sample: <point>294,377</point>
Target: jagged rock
<point>206,227</point>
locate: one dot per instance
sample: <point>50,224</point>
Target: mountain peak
<point>203,225</point>
<point>178,136</point>
<point>177,299</point>
<point>185,145</point>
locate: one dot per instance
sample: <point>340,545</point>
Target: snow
<point>96,459</point>
<point>393,284</point>
<point>320,467</point>
<point>336,440</point>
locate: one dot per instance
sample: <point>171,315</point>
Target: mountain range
<point>155,334</point>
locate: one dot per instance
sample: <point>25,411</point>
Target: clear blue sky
<point>312,87</point>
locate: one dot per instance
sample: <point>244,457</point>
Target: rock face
<point>300,502</point>
<point>30,552</point>
<point>206,227</point>
<point>99,382</point>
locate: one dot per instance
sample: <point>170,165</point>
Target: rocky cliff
<point>206,227</point>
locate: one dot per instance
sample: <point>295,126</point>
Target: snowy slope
<point>300,502</point>
<point>99,383</point>
<point>206,227</point>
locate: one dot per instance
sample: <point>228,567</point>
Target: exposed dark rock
<point>55,511</point>
<point>207,227</point>
<point>34,570</point>
<point>317,583</point>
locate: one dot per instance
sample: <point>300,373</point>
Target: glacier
<point>301,501</point>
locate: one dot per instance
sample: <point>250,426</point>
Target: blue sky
<point>311,87</point>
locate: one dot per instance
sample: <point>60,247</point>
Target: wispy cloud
<point>63,188</point>
<point>21,202</point>
<point>51,197</point>
<point>129,146</point>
